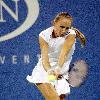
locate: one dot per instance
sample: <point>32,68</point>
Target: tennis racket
<point>78,73</point>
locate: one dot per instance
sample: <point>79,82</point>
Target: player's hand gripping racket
<point>77,74</point>
<point>54,74</point>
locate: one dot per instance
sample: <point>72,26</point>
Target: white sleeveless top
<point>39,75</point>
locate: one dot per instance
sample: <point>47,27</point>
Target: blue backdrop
<point>13,83</point>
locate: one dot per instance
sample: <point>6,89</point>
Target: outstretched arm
<point>44,53</point>
<point>65,49</point>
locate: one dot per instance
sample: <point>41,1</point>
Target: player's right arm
<point>44,53</point>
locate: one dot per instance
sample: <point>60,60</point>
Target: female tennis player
<point>57,44</point>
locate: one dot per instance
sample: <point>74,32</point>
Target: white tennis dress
<point>39,75</point>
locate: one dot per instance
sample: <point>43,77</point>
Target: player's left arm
<point>69,41</point>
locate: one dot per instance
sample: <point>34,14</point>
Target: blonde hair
<point>62,14</point>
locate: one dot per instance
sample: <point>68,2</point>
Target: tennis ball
<point>52,78</point>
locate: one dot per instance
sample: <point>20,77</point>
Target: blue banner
<point>21,21</point>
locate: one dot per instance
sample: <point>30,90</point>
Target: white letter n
<point>14,15</point>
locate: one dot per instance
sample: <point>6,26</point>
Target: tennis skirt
<point>39,75</point>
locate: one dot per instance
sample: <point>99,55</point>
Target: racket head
<point>78,73</point>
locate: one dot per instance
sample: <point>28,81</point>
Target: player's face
<point>62,26</point>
